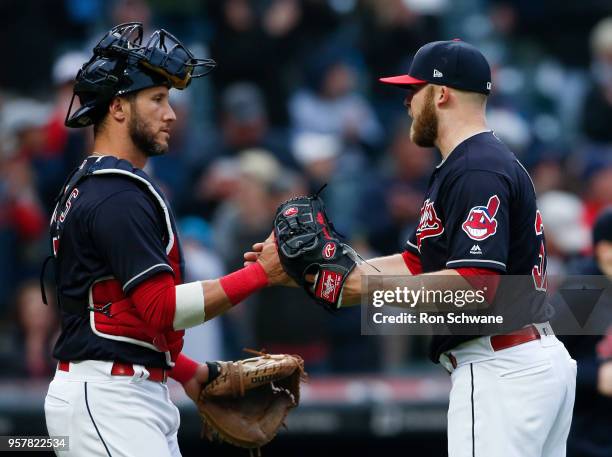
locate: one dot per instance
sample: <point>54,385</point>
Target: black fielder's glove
<point>308,244</point>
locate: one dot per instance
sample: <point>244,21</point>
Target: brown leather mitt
<point>249,400</point>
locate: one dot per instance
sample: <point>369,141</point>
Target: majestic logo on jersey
<point>481,223</point>
<point>429,223</point>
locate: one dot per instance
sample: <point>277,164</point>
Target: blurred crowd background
<point>294,103</point>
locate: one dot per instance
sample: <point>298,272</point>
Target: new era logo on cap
<point>437,73</point>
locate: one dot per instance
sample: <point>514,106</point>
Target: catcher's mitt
<point>308,244</point>
<point>249,400</point>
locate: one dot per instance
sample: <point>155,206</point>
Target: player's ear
<point>119,108</point>
<point>443,95</point>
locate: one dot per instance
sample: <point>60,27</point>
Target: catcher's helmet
<point>121,64</point>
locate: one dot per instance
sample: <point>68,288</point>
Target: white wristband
<point>189,310</point>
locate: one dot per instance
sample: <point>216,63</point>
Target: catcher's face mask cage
<point>122,64</point>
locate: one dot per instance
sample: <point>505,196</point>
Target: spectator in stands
<point>63,74</point>
<point>243,125</point>
<point>27,120</point>
<point>597,110</point>
<point>590,433</point>
<point>256,42</point>
<point>22,224</point>
<point>324,161</point>
<point>39,325</point>
<point>131,10</point>
<point>240,222</point>
<point>382,23</point>
<point>261,185</point>
<point>216,184</point>
<point>567,234</point>
<point>63,148</point>
<point>597,191</point>
<point>547,175</point>
<point>331,102</point>
<point>401,183</point>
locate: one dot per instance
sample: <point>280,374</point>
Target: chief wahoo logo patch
<point>481,223</point>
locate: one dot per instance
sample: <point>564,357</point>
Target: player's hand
<point>194,385</point>
<point>604,379</point>
<point>266,254</point>
<point>252,256</point>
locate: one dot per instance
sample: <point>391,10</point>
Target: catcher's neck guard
<point>122,64</point>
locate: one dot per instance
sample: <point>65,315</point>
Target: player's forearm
<point>447,279</point>
<point>185,369</point>
<point>216,300</point>
<point>221,294</point>
<point>397,275</point>
<point>164,306</point>
<point>392,265</point>
<point>205,300</point>
<point>477,282</point>
<point>193,308</point>
<point>192,375</point>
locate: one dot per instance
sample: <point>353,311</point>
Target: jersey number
<point>539,270</point>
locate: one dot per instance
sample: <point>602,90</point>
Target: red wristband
<point>184,369</point>
<point>242,283</point>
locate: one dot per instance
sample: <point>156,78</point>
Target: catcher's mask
<point>122,64</point>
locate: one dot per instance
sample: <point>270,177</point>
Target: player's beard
<point>424,129</point>
<point>143,137</point>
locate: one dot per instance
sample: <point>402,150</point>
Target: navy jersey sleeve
<point>411,244</point>
<point>476,209</point>
<point>127,229</point>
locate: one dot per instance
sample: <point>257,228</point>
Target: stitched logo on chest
<point>429,224</point>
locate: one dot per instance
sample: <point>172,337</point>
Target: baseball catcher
<point>120,275</point>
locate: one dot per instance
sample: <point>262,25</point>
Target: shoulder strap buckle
<point>105,309</point>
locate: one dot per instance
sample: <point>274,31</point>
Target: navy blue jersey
<point>480,211</point>
<point>116,226</point>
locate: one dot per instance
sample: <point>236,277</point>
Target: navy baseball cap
<point>452,63</point>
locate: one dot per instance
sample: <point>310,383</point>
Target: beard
<point>424,128</point>
<point>142,136</point>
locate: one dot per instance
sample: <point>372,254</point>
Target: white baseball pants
<point>118,416</point>
<point>516,402</point>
